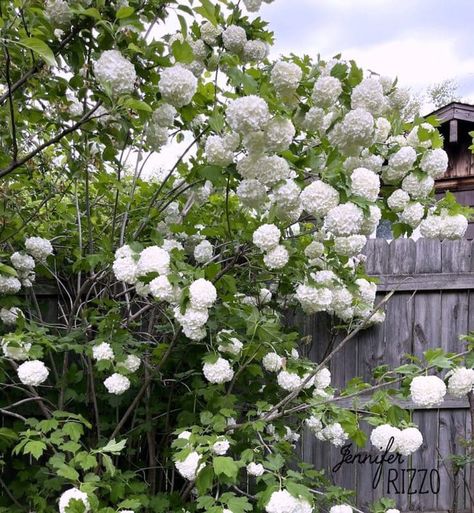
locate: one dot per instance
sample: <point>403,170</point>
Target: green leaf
<point>35,448</point>
<point>204,479</point>
<point>224,465</point>
<point>39,47</point>
<point>139,105</point>
<point>207,10</point>
<point>6,269</point>
<point>74,430</point>
<point>113,447</point>
<point>182,51</point>
<point>68,472</point>
<point>108,464</point>
<point>124,12</point>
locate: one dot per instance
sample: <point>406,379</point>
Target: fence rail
<point>432,306</point>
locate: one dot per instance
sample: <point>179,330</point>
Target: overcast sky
<point>420,41</point>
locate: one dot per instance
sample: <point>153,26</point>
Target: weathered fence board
<point>432,306</point>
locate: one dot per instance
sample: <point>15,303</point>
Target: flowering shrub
<point>168,378</point>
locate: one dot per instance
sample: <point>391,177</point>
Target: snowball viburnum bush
<point>151,305</point>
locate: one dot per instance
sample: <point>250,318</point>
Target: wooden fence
<point>432,306</point>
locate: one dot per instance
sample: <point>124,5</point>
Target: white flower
<point>252,193</point>
<point>117,384</point>
<point>247,114</point>
<point>279,134</point>
<point>170,244</point>
<point>272,362</point>
<point>453,227</point>
<point>434,162</point>
<point>19,351</point>
<point>314,424</point>
<point>289,380</point>
<point>412,214</point>
<point>131,363</point>
<point>234,38</point>
<point>194,333</point>
<point>381,435</point>
<point>217,152</point>
<point>326,91</point>
<point>427,390</point>
<point>124,252</point>
<point>414,140</point>
<point>369,95</point>
<point>189,467</point>
<point>285,77</point>
<point>322,378</point>
<point>398,200</point>
<point>161,288</point>
<point>153,259</point>
<point>367,290</point>
<point>203,252</point>
<point>392,510</point>
<point>403,159</point>
<point>156,136</point>
<point>115,72</point>
<point>221,447</point>
<point>231,345</point>
<point>202,294</point>
<point>185,435</point>
<point>417,187</point>
<point>342,508</point>
<point>314,250</point>
<point>313,299</point>
<point>276,258</point>
<point>177,85</point>
<point>382,130</point>
<point>255,469</point>
<point>355,131</point>
<point>409,441</point>
<point>22,262</point>
<point>349,246</point>
<point>266,237</point>
<point>461,381</point>
<point>430,228</point>
<point>365,184</point>
<point>255,51</point>
<point>218,372</point>
<point>103,351</point>
<point>252,5</point>
<point>334,433</point>
<point>345,219</point>
<point>314,119</point>
<point>9,316</point>
<point>164,115</point>
<point>38,247</point>
<point>125,269</point>
<point>283,502</point>
<point>370,222</point>
<point>73,493</point>
<point>210,33</point>
<point>318,198</point>
<point>33,373</point>
<point>271,170</point>
<point>58,12</point>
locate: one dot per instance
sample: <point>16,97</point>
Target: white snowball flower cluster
<point>220,150</point>
<point>254,5</point>
<point>32,373</point>
<point>234,39</point>
<point>341,508</point>
<point>286,196</point>
<point>279,134</point>
<point>416,186</point>
<point>76,494</point>
<point>266,237</point>
<point>427,390</point>
<point>38,248</point>
<point>345,219</point>
<point>115,72</point>
<point>318,198</point>
<point>285,77</point>
<point>252,193</point>
<point>210,33</point>
<point>157,129</point>
<point>398,200</point>
<point>412,214</point>
<point>255,469</point>
<point>131,363</point>
<point>322,378</point>
<point>313,299</point>
<point>289,380</point>
<point>221,447</point>
<point>333,433</point>
<point>349,246</point>
<point>444,226</point>
<point>218,372</point>
<point>177,85</point>
<point>381,436</point>
<point>189,467</point>
<point>461,381</point>
<point>16,350</point>
<point>58,12</point>
<point>314,423</point>
<point>203,252</point>
<point>272,362</point>
<point>202,294</point>
<point>9,284</point>
<point>369,95</point>
<point>22,262</point>
<point>354,132</point>
<point>434,163</point>
<point>276,258</point>
<point>103,351</point>
<point>409,441</point>
<point>9,316</point>
<point>229,343</point>
<point>153,259</point>
<point>382,130</point>
<point>365,184</point>
<point>403,159</point>
<point>283,502</point>
<point>247,114</point>
<point>326,91</point>
<point>161,289</point>
<point>117,384</point>
<point>413,139</point>
<point>255,51</point>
